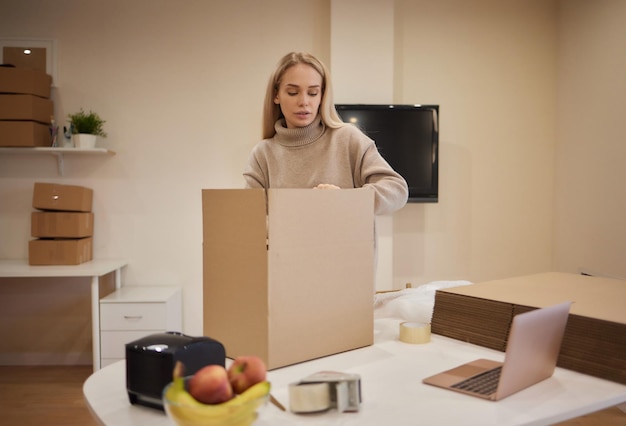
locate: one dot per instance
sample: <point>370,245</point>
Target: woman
<point>306,145</point>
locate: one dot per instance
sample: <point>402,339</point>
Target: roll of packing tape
<point>414,332</point>
<point>309,397</point>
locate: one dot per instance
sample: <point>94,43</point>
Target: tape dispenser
<point>325,390</point>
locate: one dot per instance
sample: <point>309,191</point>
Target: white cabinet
<point>132,312</point>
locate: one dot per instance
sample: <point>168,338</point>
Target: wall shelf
<point>59,153</point>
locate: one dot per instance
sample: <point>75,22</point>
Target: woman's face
<point>299,95</point>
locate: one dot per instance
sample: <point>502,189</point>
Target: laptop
<point>531,354</point>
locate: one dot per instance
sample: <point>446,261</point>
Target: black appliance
<point>150,363</point>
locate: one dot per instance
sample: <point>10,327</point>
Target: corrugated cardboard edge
<point>336,312</point>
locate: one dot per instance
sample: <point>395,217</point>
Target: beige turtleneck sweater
<point>312,155</point>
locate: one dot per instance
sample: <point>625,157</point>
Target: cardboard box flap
<point>234,216</point>
<point>319,242</point>
<point>235,268</point>
<point>334,220</point>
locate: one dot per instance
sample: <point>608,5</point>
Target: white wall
<point>362,38</point>
<point>490,65</point>
<point>589,225</point>
<point>494,81</point>
<point>181,85</point>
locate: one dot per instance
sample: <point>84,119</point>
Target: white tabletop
<point>12,268</point>
<point>391,379</point>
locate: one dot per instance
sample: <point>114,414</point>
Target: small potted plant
<point>85,128</point>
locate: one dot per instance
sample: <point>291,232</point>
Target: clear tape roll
<point>414,332</point>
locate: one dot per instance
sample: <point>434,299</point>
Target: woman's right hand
<point>326,186</point>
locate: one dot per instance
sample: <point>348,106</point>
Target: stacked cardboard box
<point>595,337</point>
<point>26,109</point>
<point>63,226</point>
<point>288,273</point>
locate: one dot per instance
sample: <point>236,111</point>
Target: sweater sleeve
<point>254,174</point>
<point>391,188</point>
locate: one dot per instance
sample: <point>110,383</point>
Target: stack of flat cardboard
<point>63,226</point>
<point>595,337</point>
<point>26,109</point>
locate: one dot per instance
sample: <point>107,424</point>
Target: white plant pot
<point>83,140</point>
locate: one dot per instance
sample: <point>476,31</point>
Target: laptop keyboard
<point>484,383</point>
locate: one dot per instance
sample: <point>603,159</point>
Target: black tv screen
<point>407,136</point>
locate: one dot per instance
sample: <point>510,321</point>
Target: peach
<point>210,385</point>
<point>246,371</point>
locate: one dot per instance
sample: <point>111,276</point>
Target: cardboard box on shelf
<point>70,198</point>
<point>61,224</point>
<point>25,81</point>
<point>26,107</point>
<point>62,251</point>
<point>288,273</point>
<point>24,134</point>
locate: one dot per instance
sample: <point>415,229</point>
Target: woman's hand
<point>326,186</point>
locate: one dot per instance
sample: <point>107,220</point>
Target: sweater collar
<point>300,136</point>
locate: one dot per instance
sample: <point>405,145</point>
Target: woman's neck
<point>299,136</point>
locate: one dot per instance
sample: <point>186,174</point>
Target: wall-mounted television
<point>407,136</point>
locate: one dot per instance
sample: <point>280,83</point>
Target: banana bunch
<point>185,410</point>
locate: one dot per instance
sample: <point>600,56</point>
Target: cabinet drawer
<point>133,316</point>
<point>113,343</point>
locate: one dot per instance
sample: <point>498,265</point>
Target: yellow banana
<point>179,398</point>
<point>239,411</point>
<point>256,391</point>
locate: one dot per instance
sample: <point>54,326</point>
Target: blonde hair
<point>272,112</point>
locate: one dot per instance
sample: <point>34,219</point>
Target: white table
<point>393,394</point>
<point>19,268</point>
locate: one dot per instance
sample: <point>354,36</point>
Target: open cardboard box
<point>288,273</point>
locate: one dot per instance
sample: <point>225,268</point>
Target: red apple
<point>210,385</point>
<point>246,371</point>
